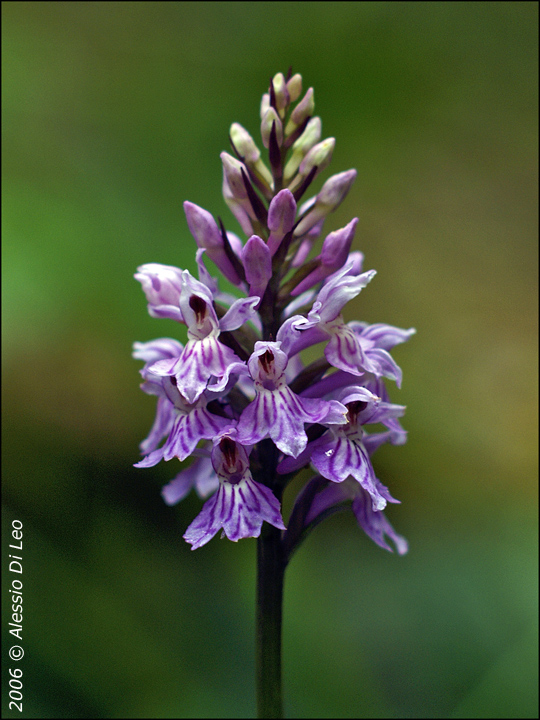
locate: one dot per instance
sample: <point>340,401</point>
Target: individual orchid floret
<point>257,260</point>
<point>376,340</point>
<point>271,120</point>
<point>200,475</point>
<point>236,179</point>
<point>340,451</point>
<point>373,522</point>
<point>334,253</point>
<point>207,235</point>
<point>162,285</point>
<point>281,217</point>
<point>343,350</point>
<point>301,113</point>
<point>325,322</point>
<point>301,147</point>
<point>204,356</point>
<point>277,412</point>
<point>151,352</point>
<point>331,195</point>
<point>240,505</point>
<point>192,423</point>
<point>316,160</point>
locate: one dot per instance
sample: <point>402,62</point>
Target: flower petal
<point>239,509</point>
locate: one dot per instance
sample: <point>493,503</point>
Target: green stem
<point>270,575</point>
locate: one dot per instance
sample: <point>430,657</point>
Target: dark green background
<point>114,113</point>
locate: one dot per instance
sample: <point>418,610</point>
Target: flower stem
<point>270,574</point>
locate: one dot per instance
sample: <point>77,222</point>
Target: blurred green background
<point>114,113</point>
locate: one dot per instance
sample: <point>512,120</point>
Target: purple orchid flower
<point>341,451</point>
<point>277,412</point>
<point>374,523</point>
<point>240,505</point>
<point>204,356</point>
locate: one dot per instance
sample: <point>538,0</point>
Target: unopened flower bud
<point>281,93</point>
<point>318,157</point>
<point>162,285</point>
<point>331,195</point>
<point>257,261</point>
<point>204,229</point>
<point>246,147</point>
<point>301,112</point>
<point>244,143</point>
<point>237,208</point>
<point>281,217</point>
<point>300,148</point>
<point>294,87</point>
<point>334,254</point>
<point>270,118</point>
<point>265,103</point>
<point>232,170</point>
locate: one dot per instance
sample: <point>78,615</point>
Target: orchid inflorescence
<point>238,397</point>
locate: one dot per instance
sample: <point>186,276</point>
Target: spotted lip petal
<point>280,415</point>
<point>187,424</point>
<point>239,509</point>
<point>200,360</point>
<point>338,457</point>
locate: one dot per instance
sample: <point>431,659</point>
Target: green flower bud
<point>310,136</point>
<point>319,156</point>
<point>265,103</point>
<point>301,112</point>
<point>281,93</point>
<point>244,143</point>
<point>271,117</point>
<point>294,87</point>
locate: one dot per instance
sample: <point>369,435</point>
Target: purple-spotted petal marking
<point>240,505</point>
